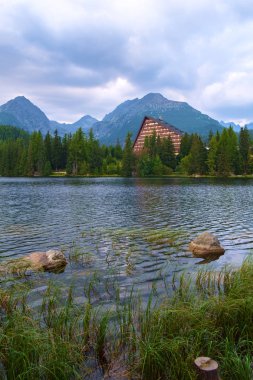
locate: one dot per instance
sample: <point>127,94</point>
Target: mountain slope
<point>86,122</point>
<point>128,116</point>
<point>22,113</point>
<point>8,119</point>
<point>29,116</point>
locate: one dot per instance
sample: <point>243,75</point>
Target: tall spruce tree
<point>227,153</point>
<point>128,158</point>
<point>197,158</point>
<point>244,148</point>
<point>94,154</point>
<point>212,156</point>
<point>36,155</point>
<point>185,146</point>
<point>167,153</point>
<point>56,151</point>
<point>77,153</point>
<point>48,147</point>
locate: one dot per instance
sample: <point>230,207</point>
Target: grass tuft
<point>209,315</point>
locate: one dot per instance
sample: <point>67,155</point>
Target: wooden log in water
<point>206,368</point>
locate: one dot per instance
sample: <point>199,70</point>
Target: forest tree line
<point>224,154</point>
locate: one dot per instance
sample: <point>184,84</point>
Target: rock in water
<point>52,261</point>
<point>205,245</point>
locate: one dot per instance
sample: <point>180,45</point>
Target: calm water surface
<point>133,230</point>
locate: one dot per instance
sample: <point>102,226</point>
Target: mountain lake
<point>133,232</point>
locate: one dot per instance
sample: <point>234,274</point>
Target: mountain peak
<point>127,117</point>
<point>154,96</point>
<point>21,112</point>
<point>157,98</point>
<point>20,99</point>
<point>86,122</point>
<point>26,113</point>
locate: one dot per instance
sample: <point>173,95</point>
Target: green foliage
<point>128,158</point>
<point>56,151</point>
<point>36,159</point>
<point>167,153</point>
<point>158,157</point>
<point>185,146</point>
<point>224,156</point>
<point>12,133</point>
<point>244,148</point>
<point>94,155</point>
<point>47,170</point>
<point>196,161</point>
<point>77,152</point>
<point>212,155</point>
<point>227,153</point>
<point>209,314</point>
<point>80,155</point>
<point>13,157</point>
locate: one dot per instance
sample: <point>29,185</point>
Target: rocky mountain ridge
<point>126,117</point>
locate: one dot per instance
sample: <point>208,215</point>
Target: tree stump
<point>207,368</point>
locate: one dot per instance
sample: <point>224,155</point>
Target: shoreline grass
<point>209,315</point>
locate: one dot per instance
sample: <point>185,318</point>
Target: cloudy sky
<point>76,57</point>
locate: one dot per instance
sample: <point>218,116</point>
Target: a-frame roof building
<point>150,125</point>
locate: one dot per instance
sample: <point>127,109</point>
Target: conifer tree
<point>94,154</point>
<point>56,151</point>
<point>36,154</point>
<point>117,151</point>
<point>48,147</point>
<point>244,148</point>
<point>197,157</point>
<point>65,148</point>
<point>185,146</point>
<point>212,156</point>
<point>128,158</point>
<point>77,152</point>
<point>227,153</point>
<point>167,153</point>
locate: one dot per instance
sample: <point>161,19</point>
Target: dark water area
<point>135,231</point>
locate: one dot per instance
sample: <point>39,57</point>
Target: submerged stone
<point>206,244</point>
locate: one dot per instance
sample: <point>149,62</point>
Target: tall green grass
<point>210,315</point>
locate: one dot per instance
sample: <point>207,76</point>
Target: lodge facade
<point>161,128</point>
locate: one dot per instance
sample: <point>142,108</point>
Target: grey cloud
<point>183,47</point>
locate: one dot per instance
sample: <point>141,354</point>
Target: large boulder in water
<point>206,245</point>
<point>52,261</point>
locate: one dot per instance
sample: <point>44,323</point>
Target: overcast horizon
<point>78,57</point>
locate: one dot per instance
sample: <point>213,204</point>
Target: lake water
<point>135,231</point>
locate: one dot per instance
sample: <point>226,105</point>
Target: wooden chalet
<point>161,128</point>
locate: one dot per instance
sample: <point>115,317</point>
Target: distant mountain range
<point>236,127</point>
<point>22,113</point>
<point>127,117</point>
<point>227,124</point>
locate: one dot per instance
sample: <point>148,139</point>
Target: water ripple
<point>136,229</point>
